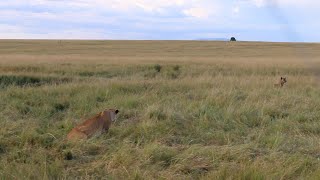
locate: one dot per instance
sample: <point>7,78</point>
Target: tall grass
<point>196,119</point>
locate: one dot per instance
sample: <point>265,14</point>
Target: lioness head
<point>283,80</point>
<point>111,112</point>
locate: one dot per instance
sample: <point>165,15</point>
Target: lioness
<point>96,125</point>
<point>281,82</point>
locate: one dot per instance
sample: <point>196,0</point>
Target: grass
<point>188,110</point>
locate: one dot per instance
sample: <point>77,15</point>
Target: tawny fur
<point>94,126</point>
<point>281,82</point>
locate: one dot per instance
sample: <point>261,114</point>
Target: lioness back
<point>96,125</point>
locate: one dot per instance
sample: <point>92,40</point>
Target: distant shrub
<point>176,68</point>
<point>233,39</point>
<point>157,67</point>
<point>174,72</point>
<point>152,71</point>
<point>86,74</point>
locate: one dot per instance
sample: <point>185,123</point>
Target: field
<point>188,109</point>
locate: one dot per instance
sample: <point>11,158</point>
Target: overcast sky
<point>253,20</point>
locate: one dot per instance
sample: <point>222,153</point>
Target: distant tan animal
<point>94,126</point>
<point>281,82</point>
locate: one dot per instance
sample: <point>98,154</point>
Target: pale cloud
<point>236,10</point>
<point>260,3</point>
<point>283,3</point>
<point>197,12</point>
<point>149,6</point>
<point>204,9</point>
<point>193,8</point>
<point>151,19</point>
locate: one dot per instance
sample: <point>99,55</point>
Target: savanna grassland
<point>188,109</point>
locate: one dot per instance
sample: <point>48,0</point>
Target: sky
<point>247,20</point>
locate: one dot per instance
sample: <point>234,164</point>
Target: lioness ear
<point>117,111</point>
<point>101,114</point>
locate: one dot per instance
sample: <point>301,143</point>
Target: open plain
<point>188,109</point>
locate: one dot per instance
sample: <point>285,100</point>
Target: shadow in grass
<point>2,148</point>
<point>59,107</point>
<point>22,81</point>
<point>105,74</point>
<point>276,114</point>
<point>164,156</point>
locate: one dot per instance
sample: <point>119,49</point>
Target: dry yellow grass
<point>188,109</point>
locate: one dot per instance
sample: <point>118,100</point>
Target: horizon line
<point>199,40</point>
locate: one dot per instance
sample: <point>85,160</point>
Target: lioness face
<point>112,112</point>
<point>283,80</point>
